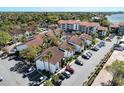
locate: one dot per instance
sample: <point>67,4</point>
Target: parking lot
<point>11,78</point>
<point>82,72</point>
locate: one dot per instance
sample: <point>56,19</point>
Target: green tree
<point>4,38</point>
<point>23,39</point>
<point>117,69</point>
<point>48,83</point>
<point>30,53</point>
<point>55,78</point>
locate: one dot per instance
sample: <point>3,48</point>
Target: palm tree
<point>49,55</point>
<point>44,59</point>
<point>70,49</point>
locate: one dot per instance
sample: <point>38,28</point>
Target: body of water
<point>116,18</point>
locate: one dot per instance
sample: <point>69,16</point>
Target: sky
<point>61,9</point>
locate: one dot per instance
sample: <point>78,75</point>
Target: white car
<point>67,72</point>
<point>122,45</point>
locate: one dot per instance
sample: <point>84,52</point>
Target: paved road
<point>11,78</point>
<point>82,72</point>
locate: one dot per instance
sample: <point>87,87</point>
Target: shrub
<point>48,83</point>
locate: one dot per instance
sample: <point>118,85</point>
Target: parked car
<point>33,83</point>
<point>1,78</point>
<point>89,54</point>
<point>95,48</point>
<point>29,71</point>
<point>108,39</point>
<point>103,42</point>
<point>118,47</point>
<point>79,62</point>
<point>99,45</point>
<point>42,79</point>
<point>69,69</point>
<point>66,74</point>
<point>112,36</point>
<point>62,77</point>
<point>58,83</point>
<point>85,55</point>
<point>35,76</point>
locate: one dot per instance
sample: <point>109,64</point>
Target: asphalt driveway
<point>82,72</point>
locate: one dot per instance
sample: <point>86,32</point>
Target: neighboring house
<point>36,41</point>
<point>76,25</point>
<point>21,47</point>
<point>58,32</point>
<point>69,25</point>
<point>87,39</point>
<point>50,33</point>
<point>102,31</point>
<point>114,28</point>
<point>69,50</point>
<point>18,32</point>
<point>53,26</point>
<point>53,63</point>
<point>121,28</point>
<point>77,42</point>
<point>88,27</point>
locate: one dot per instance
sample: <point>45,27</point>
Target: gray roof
<point>21,47</point>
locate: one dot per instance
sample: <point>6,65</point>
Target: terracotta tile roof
<point>68,21</point>
<point>50,33</point>
<point>57,55</point>
<point>89,24</point>
<point>114,26</point>
<point>85,37</point>
<point>100,28</point>
<point>38,40</point>
<point>121,24</point>
<point>58,31</point>
<point>75,39</point>
<point>67,46</point>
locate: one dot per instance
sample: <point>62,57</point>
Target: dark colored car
<point>89,54</point>
<point>58,83</point>
<point>39,82</point>
<point>29,71</point>
<point>95,48</point>
<point>108,39</point>
<point>86,56</point>
<point>99,45</point>
<point>1,79</point>
<point>69,69</point>
<point>67,75</point>
<point>117,47</point>
<point>62,77</point>
<point>79,62</point>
